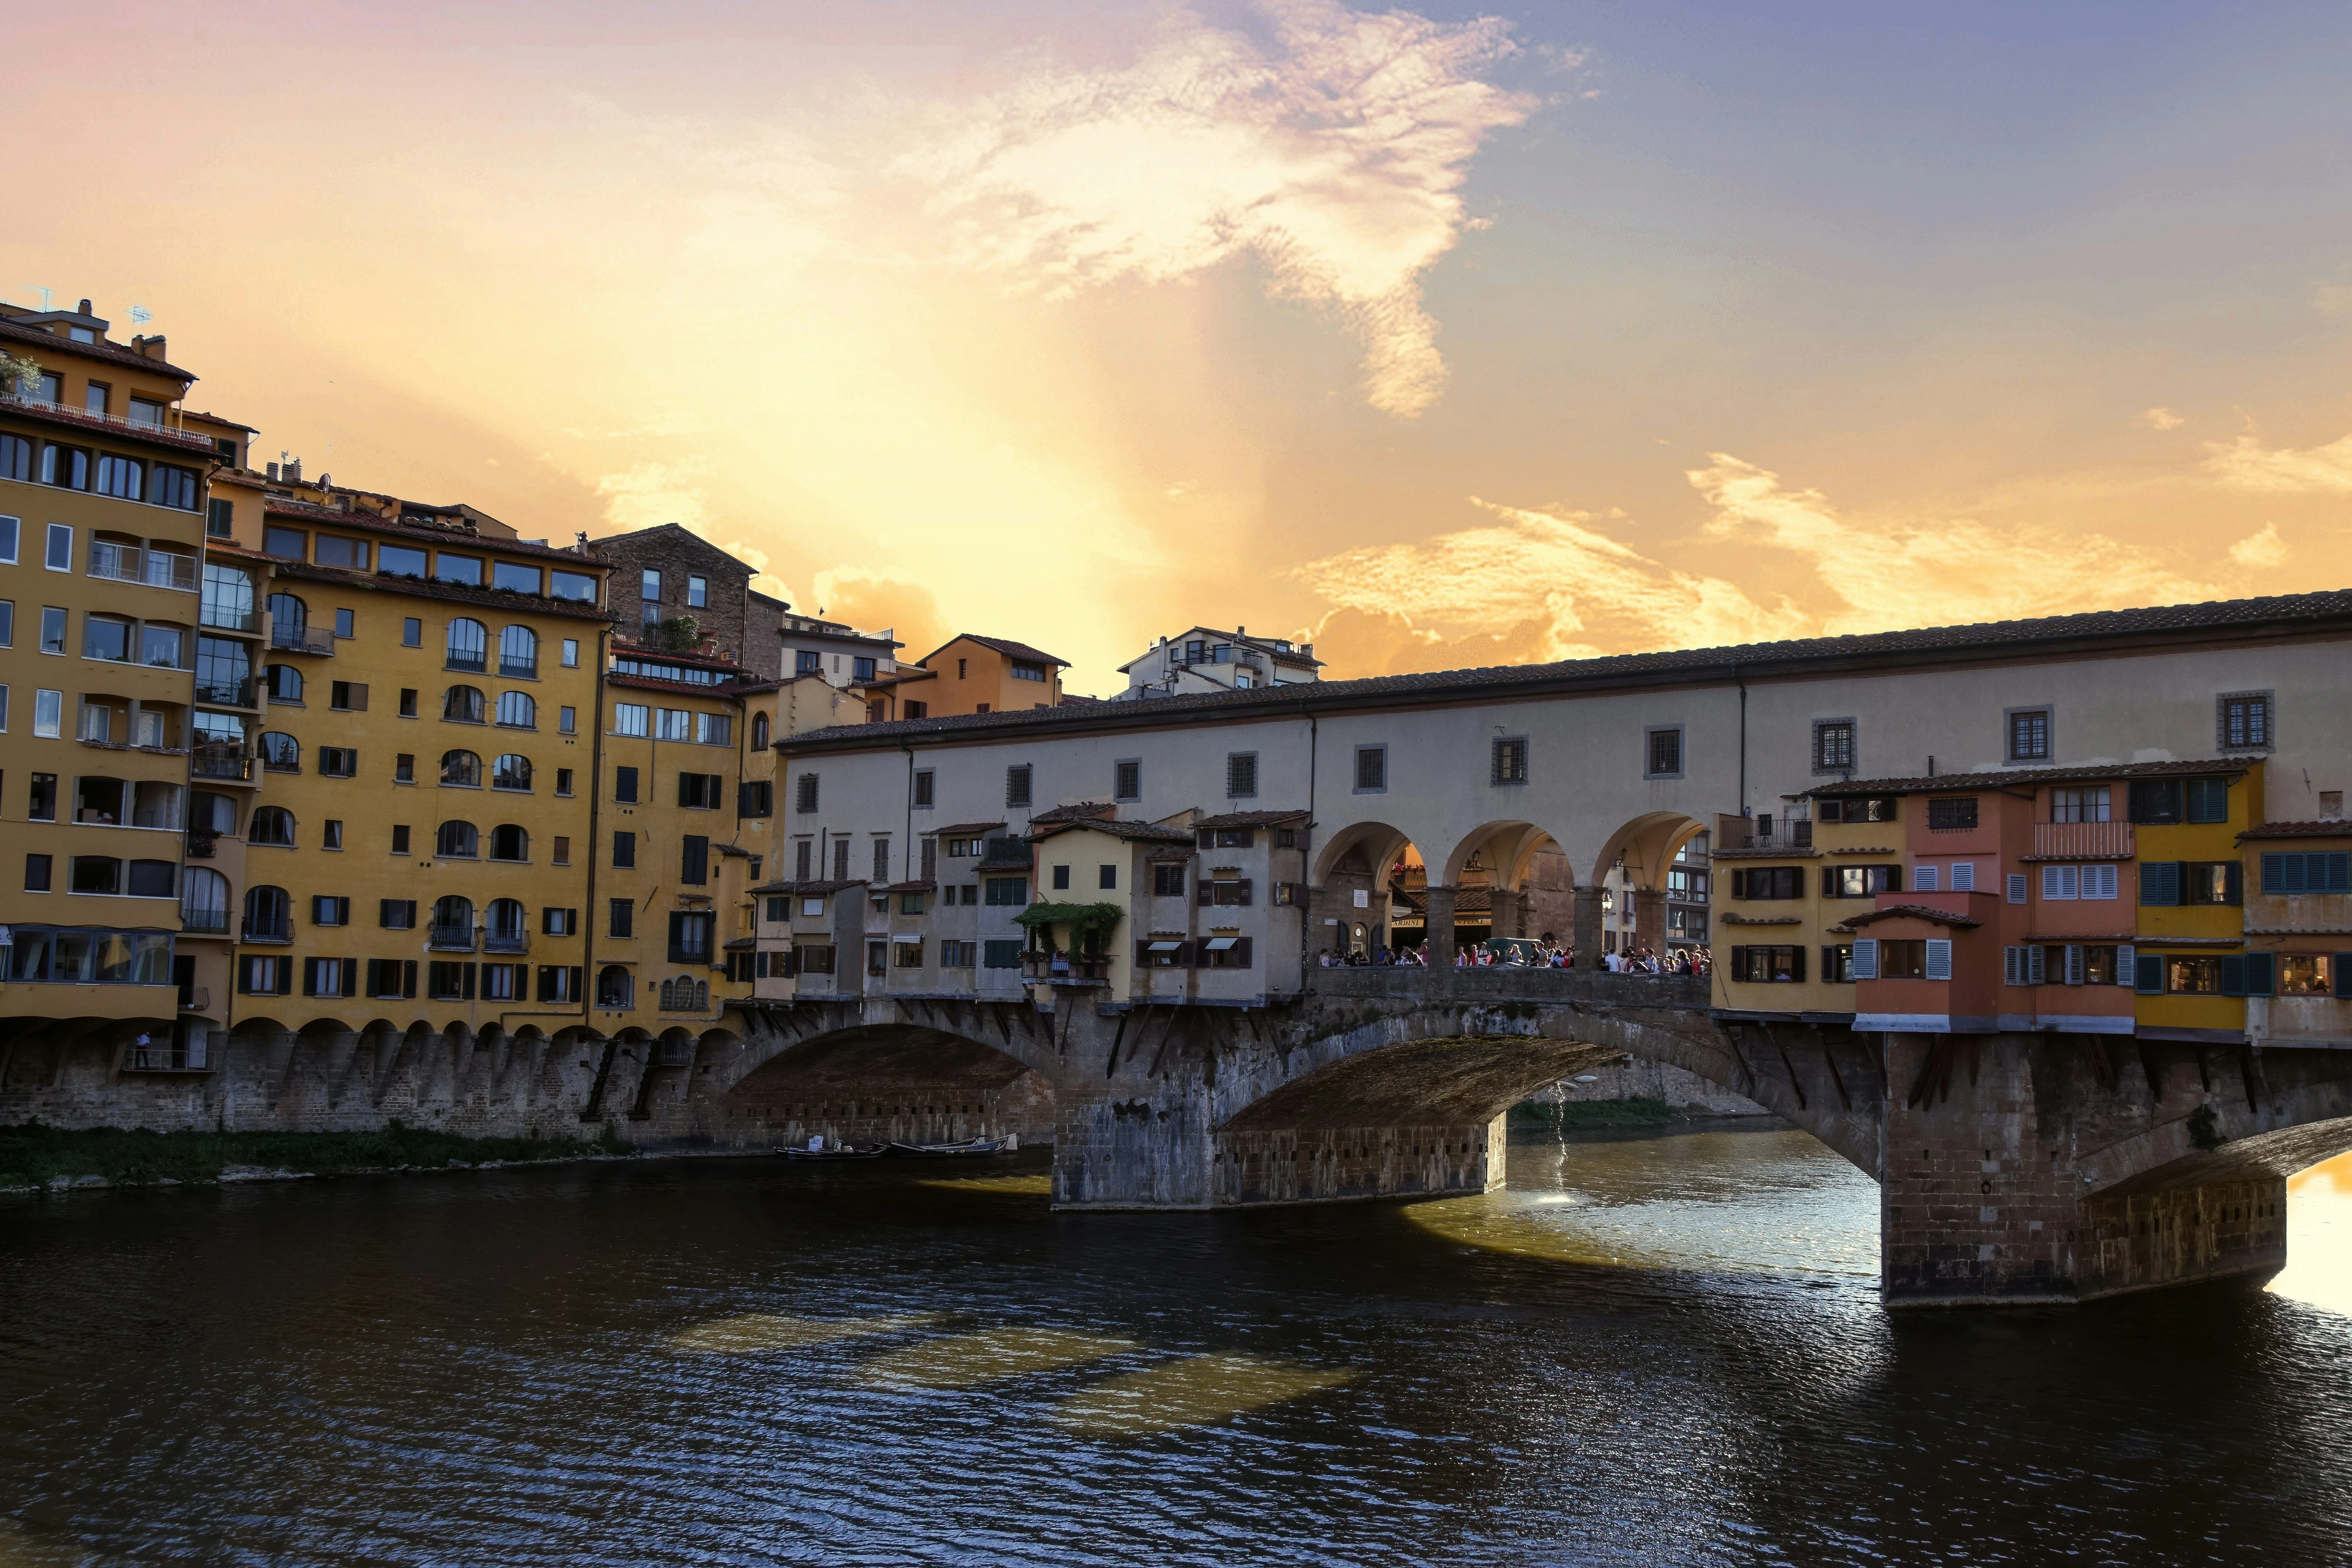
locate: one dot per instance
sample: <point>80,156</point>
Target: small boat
<point>818,1149</point>
<point>971,1148</point>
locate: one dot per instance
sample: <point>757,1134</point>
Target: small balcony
<point>199,921</point>
<point>505,941</point>
<point>284,638</point>
<point>219,617</point>
<point>132,563</point>
<point>221,764</point>
<point>2083,841</point>
<point>197,1000</point>
<point>449,938</point>
<point>523,668</point>
<point>245,693</point>
<point>275,929</point>
<point>1061,969</point>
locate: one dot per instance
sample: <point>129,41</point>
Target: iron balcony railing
<point>228,617</point>
<point>200,921</point>
<point>269,928</point>
<point>245,693</point>
<point>2083,841</point>
<point>210,762</point>
<point>122,422</point>
<point>443,938</point>
<point>197,1000</point>
<point>302,640</point>
<point>133,564</point>
<point>505,941</point>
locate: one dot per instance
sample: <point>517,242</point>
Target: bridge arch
<point>915,1072</point>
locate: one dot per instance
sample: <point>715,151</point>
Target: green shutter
<point>2340,966</point>
<point>2148,978</point>
<point>2159,883</point>
<point>2262,973</point>
<point>2233,975</point>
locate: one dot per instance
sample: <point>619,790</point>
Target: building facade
<point>1203,659</point>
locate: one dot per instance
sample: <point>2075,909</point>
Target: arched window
<point>759,732</point>
<point>511,771</point>
<point>285,683</point>
<point>510,842</point>
<point>288,617</point>
<point>684,994</point>
<point>269,915</point>
<point>517,710</point>
<point>458,840</point>
<point>616,987</point>
<point>469,643</point>
<point>463,704</point>
<point>507,918</point>
<point>280,752</point>
<point>453,922</point>
<point>518,651</point>
<point>461,768</point>
<point>271,825</point>
<point>204,901</point>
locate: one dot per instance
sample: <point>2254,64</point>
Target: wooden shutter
<point>2012,966</point>
<point>2340,967</point>
<point>1739,964</point>
<point>356,695</point>
<point>1241,953</point>
<point>408,977</point>
<point>2074,963</point>
<point>1205,891</point>
<point>2159,883</point>
<point>2017,887</point>
<point>1738,881</point>
<point>310,977</point>
<point>2233,975</point>
<point>2262,973</point>
<point>1796,963</point>
<point>1243,885</point>
<point>2148,976</point>
<point>1207,838</point>
<point>2037,965</point>
<point>931,859</point>
<point>2233,882</point>
<point>1940,958</point>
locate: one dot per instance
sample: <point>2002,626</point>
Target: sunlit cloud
<point>1333,154</point>
<point>651,494</point>
<point>2162,419</point>
<point>2263,549</point>
<point>2246,464</point>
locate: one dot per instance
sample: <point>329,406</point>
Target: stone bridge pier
<point>2026,1168</point>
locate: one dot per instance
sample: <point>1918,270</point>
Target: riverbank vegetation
<point>33,1155</point>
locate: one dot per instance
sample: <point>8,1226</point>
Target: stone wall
<point>1684,1092</point>
<point>740,627</point>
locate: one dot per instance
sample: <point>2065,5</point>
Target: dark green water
<point>746,1362</point>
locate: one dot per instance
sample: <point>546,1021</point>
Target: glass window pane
<point>451,568</point>
<point>399,561</point>
<point>519,578</point>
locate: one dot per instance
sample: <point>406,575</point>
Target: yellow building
<point>399,749</point>
<point>974,674</point>
<point>104,483</point>
<point>2190,964</point>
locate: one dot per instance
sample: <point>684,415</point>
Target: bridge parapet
<point>1512,983</point>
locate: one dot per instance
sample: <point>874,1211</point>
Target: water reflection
<point>2319,1236</point>
<point>754,1362</point>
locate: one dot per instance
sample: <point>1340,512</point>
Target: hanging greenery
<point>1090,923</point>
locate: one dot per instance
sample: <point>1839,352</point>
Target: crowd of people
<point>1544,952</point>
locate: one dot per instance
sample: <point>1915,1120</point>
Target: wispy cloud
<point>1554,584</point>
<point>2245,464</point>
<point>1334,154</point>
<point>651,494</point>
<point>2162,419</point>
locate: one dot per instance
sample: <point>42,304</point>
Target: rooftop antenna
<point>43,293</point>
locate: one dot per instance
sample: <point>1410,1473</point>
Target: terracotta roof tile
<point>113,353</point>
<point>1947,782</point>
<point>2335,830</point>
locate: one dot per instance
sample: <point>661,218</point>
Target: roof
<point>1250,818</point>
<point>1274,650</point>
<point>1944,784</point>
<point>2337,829</point>
<point>811,887</point>
<point>2169,627</point>
<point>1134,832</point>
<point>918,886</point>
<point>966,827</point>
<point>1072,812</point>
<point>1005,646</point>
<point>735,564</point>
<point>335,517</point>
<point>1912,911</point>
<point>113,353</point>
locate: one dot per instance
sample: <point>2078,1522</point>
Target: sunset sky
<point>1441,336</point>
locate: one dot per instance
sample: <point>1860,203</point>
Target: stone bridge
<point>2012,1167</point>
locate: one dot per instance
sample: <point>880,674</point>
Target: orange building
<point>974,674</point>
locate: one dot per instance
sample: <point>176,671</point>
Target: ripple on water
<point>762,1333</point>
<point>966,1360</point>
<point>1195,1392</point>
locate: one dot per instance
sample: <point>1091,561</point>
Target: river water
<point>1649,1350</point>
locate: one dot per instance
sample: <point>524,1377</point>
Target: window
<point>408,702</point>
<point>1230,890</point>
<point>13,460</point>
<point>2319,871</point>
<point>1372,770</point>
<point>559,922</point>
<point>1833,749</point>
<point>2156,801</point>
<point>580,585</point>
<point>515,577</point>
<point>714,729</point>
<point>36,873</point>
<point>469,646</point>
<point>48,713</point>
<point>330,909</point>
<point>447,979</point>
<point>629,718</point>
<point>1767,966</point>
<point>517,710</point>
<point>280,752</point>
<point>2192,977</point>
<point>102,637</point>
<point>567,720</point>
<point>42,806</point>
<point>2242,721</point>
<point>916,710</point>
<point>1837,966</point>
<point>462,705</point>
<point>269,914</point>
<point>511,771</point>
<point>1241,775</point>
<point>694,859</point>
<point>2308,973</point>
<point>2029,734</point>
<point>159,646</point>
<point>2210,883</point>
<point>807,663</point>
<point>348,696</point>
<point>1951,814</point>
<point>510,842</point>
<point>1923,879</point>
<point>620,917</point>
<point>1664,752</point>
<point>264,975</point>
<point>458,841</point>
<point>1107,877</point>
<point>1008,892</point>
<point>66,467</point>
<point>53,630</point>
<point>400,838</point>
<point>400,561</point>
<point>283,683</point>
<point>700,792</point>
<point>1017,784</point>
<point>2082,803</point>
<point>518,651</point>
<point>1061,878</point>
<point>649,589</point>
<point>698,592</point>
<point>391,976</point>
<point>338,762</point>
<point>1859,881</point>
<point>689,936</point>
<point>1777,882</point>
<point>624,850</point>
<point>61,547</point>
<point>1001,955</point>
<point>571,652</point>
<point>412,632</point>
<point>461,770</point>
<point>466,569</point>
<point>2207,800</point>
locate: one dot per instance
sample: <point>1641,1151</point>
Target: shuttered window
<point>2320,872</point>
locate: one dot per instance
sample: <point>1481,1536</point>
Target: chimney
<point>580,542</point>
<point>85,308</point>
<point>292,469</point>
<point>273,473</point>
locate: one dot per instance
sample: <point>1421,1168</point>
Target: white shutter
<point>2099,881</point>
<point>1923,880</point>
<point>2037,965</point>
<point>1940,958</point>
<point>2060,881</point>
<point>1865,958</point>
<point>1964,876</point>
<point>2017,884</point>
<point>2127,971</point>
<point>2073,964</point>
